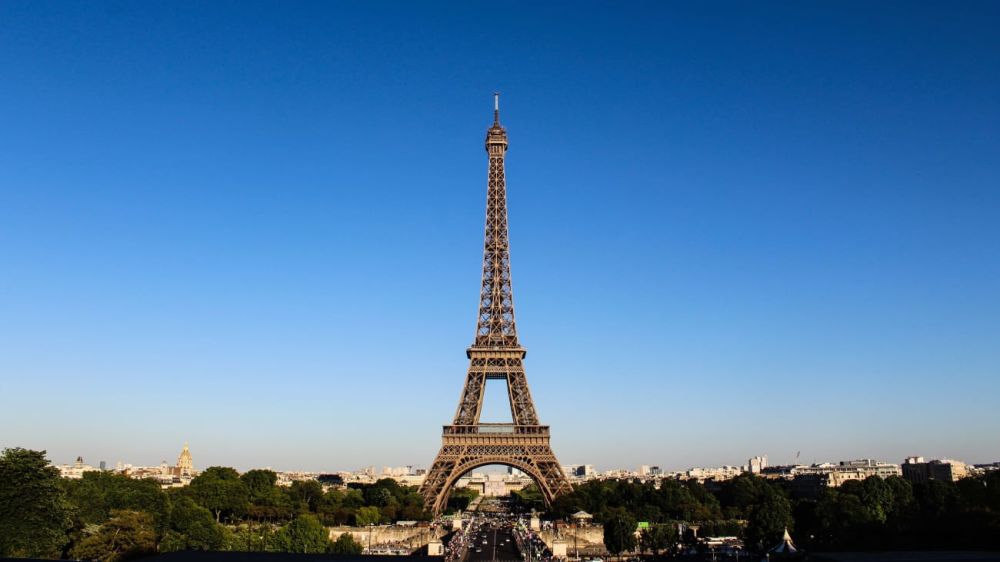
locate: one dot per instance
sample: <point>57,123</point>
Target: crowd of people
<point>532,548</point>
<point>460,542</point>
<point>394,548</point>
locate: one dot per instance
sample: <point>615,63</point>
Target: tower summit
<point>495,354</point>
<point>495,327</point>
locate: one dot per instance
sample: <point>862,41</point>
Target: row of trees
<point>108,517</point>
<point>874,514</point>
<point>255,495</point>
<point>879,514</point>
<point>754,508</point>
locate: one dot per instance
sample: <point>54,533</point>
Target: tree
<point>97,493</point>
<point>903,501</point>
<point>739,495</point>
<point>877,495</point>
<point>126,535</point>
<point>220,490</point>
<point>367,516</point>
<point>619,531</point>
<point>35,515</point>
<point>378,496</point>
<point>526,499</point>
<point>658,538</point>
<point>305,534</point>
<point>345,544</point>
<point>461,498</point>
<point>768,518</point>
<point>842,520</point>
<point>259,483</point>
<point>192,527</point>
<point>306,493</point>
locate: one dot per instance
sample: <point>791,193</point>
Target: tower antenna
<point>496,108</point>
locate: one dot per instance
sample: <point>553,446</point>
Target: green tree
<point>259,484</point>
<point>34,513</point>
<point>97,494</point>
<point>842,519</point>
<point>192,527</point>
<point>368,515</point>
<point>877,495</point>
<point>658,538</point>
<point>739,495</point>
<point>378,497</point>
<point>768,518</point>
<point>345,544</point>
<point>126,535</point>
<point>304,534</point>
<point>903,502</point>
<point>220,490</point>
<point>306,494</point>
<point>461,498</point>
<point>619,531</point>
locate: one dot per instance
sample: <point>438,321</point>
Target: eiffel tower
<point>495,354</point>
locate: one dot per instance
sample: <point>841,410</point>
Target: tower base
<point>467,447</point>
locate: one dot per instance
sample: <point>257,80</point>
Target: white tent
<point>786,546</point>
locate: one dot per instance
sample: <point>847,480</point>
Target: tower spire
<point>495,326</point>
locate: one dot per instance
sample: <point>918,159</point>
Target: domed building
<point>185,465</point>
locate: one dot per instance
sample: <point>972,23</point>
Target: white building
<point>76,469</point>
<point>719,473</point>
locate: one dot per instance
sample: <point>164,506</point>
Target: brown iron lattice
<point>495,354</point>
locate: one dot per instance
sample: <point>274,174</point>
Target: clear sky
<point>737,228</point>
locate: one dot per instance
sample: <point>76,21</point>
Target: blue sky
<point>737,229</point>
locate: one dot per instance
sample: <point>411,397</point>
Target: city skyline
<point>602,470</point>
<point>228,227</point>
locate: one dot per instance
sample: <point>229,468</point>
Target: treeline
<point>255,495</point>
<point>874,514</point>
<point>108,517</point>
<point>460,499</point>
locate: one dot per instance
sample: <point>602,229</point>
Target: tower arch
<point>525,466</point>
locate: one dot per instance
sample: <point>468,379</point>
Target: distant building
<point>335,480</point>
<point>185,464</point>
<point>756,465</point>
<point>717,474</point>
<point>850,470</point>
<point>580,471</point>
<point>643,470</point>
<point>916,470</point>
<point>76,469</point>
<point>495,485</point>
<point>810,481</point>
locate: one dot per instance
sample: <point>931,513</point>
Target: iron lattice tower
<point>495,354</point>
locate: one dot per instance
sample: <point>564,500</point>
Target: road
<point>499,546</point>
